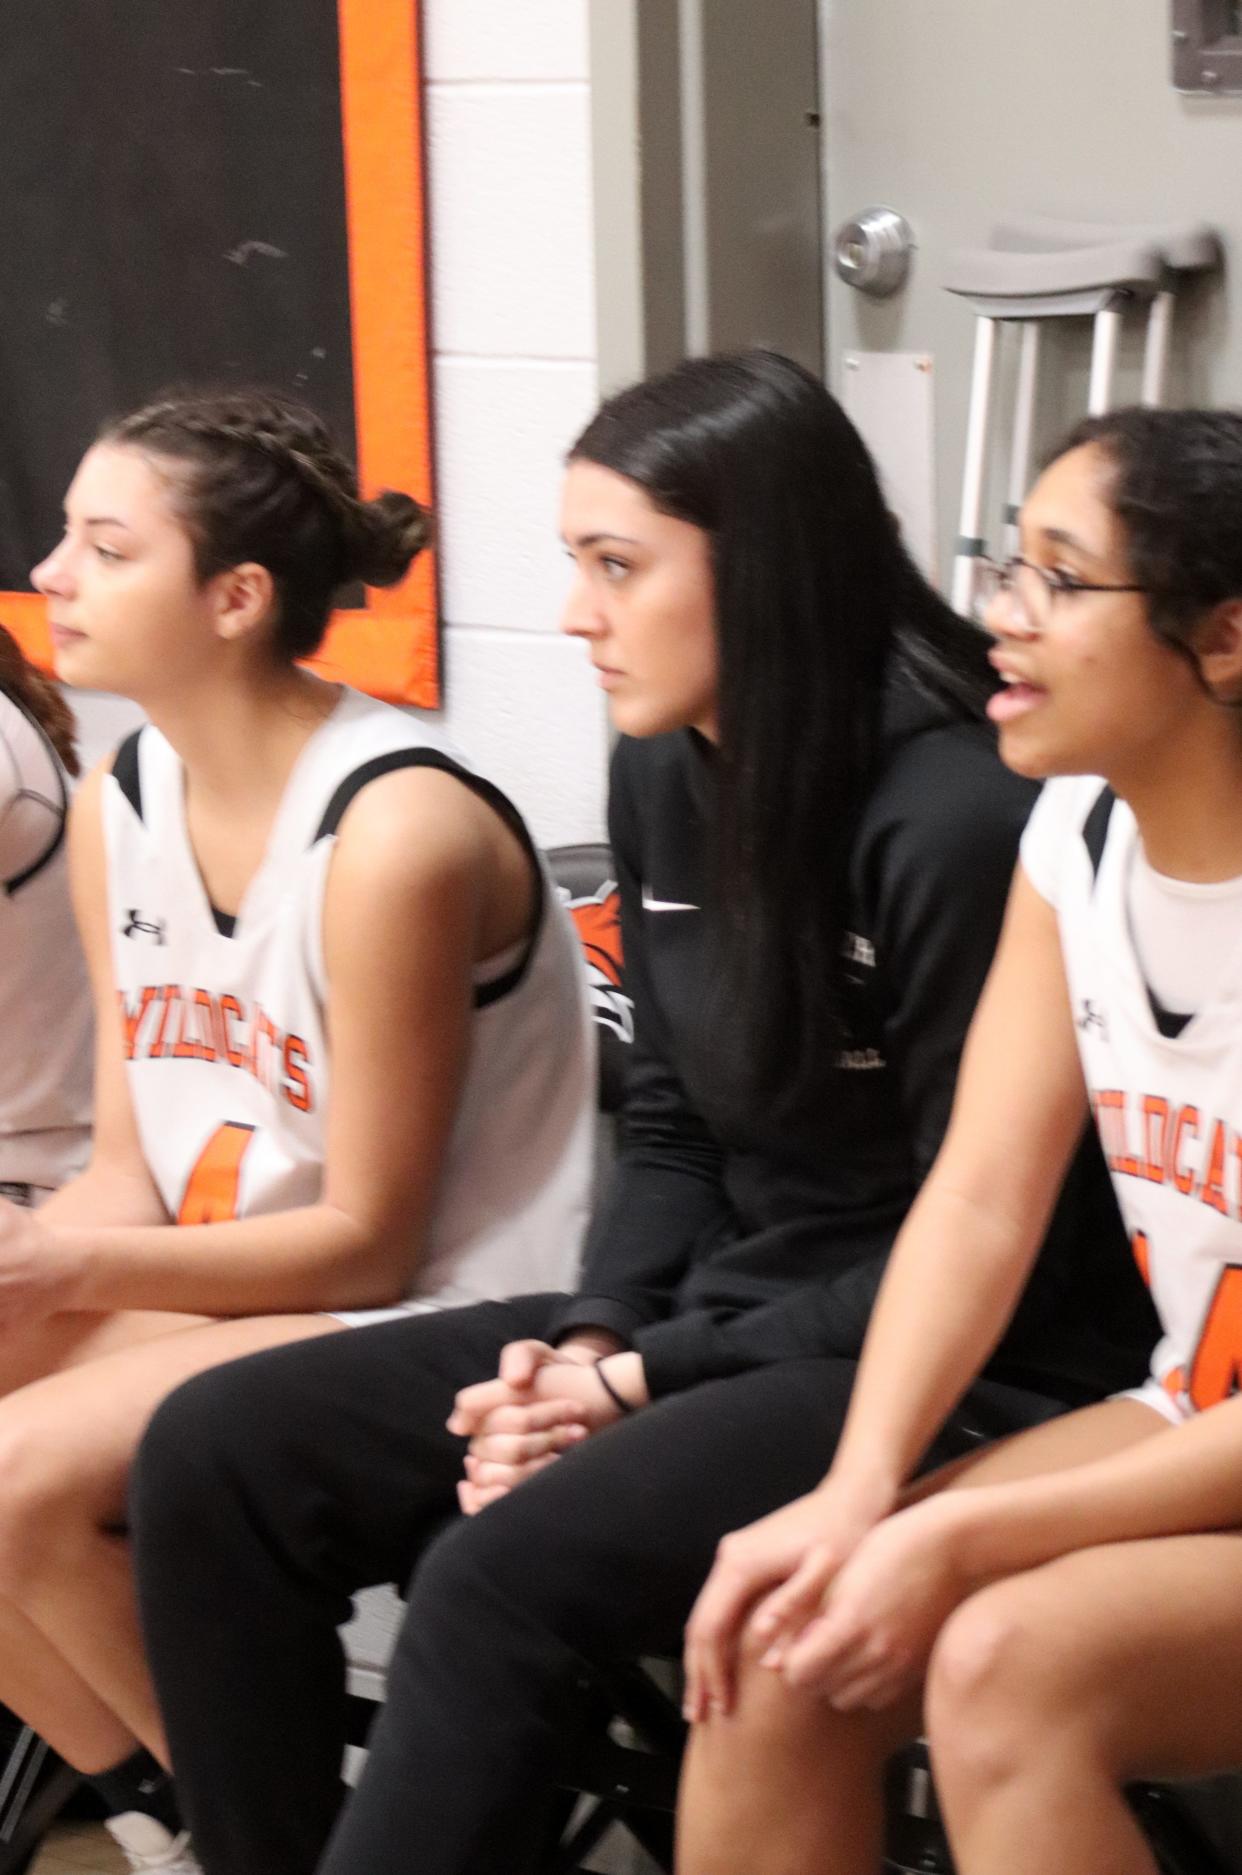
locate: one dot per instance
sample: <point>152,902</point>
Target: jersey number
<point>1216,1371</point>
<point>1216,1366</point>
<point>211,1189</point>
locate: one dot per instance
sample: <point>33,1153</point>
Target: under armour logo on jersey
<point>140,927</point>
<point>1092,1018</point>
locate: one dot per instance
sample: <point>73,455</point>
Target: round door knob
<point>872,251</point>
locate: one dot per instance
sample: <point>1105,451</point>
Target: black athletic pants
<point>268,1490</point>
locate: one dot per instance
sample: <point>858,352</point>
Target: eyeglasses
<point>1036,588</point>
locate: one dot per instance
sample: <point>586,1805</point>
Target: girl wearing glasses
<point>1062,1616</point>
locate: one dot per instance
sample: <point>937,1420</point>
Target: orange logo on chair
<point>597,921</point>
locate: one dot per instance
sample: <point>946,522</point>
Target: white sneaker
<point>148,1846</point>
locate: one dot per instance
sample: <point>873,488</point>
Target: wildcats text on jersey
<point>170,1022</point>
<point>1146,1136</point>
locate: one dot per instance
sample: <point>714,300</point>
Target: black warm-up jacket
<point>731,1237</point>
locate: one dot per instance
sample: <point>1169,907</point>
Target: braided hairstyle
<point>40,698</point>
<point>257,476</point>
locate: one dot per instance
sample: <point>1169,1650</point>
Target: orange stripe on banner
<point>391,648</point>
<point>25,615</point>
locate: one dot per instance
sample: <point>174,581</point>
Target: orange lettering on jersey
<point>131,1023</point>
<point>1127,1163</point>
<point>1140,1244</point>
<point>1155,1137</point>
<point>168,994</point>
<point>1216,1370</point>
<point>263,1030</point>
<point>297,1089</point>
<point>1107,1101</point>
<point>185,1048</point>
<point>1110,1117</point>
<point>208,1018</point>
<point>1174,1382</point>
<point>231,1011</point>
<point>1187,1121</point>
<point>1213,1192</point>
<point>212,1187</point>
<point>193,1025</point>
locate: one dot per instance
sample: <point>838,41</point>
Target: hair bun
<point>385,536</point>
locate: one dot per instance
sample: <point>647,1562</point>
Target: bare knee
<point>999,1687</point>
<point>778,1734</point>
<point>767,1711</point>
<point>783,1782</point>
<point>40,1502</point>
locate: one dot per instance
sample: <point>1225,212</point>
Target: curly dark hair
<point>1176,488</point>
<point>40,698</point>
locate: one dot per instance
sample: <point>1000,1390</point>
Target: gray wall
<point>957,112</point>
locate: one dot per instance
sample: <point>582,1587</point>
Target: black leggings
<point>267,1491</point>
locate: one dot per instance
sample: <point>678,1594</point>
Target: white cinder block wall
<point>513,332</point>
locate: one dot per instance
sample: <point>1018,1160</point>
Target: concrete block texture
<point>490,39</point>
<point>502,429</point>
<point>510,186</point>
<point>527,710</point>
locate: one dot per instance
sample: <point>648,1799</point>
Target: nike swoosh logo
<point>650,903</point>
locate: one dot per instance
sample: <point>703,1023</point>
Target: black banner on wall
<point>187,187</point>
<point>173,206</point>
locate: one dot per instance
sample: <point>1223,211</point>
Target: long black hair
<point>816,600</point>
<point>1176,487</point>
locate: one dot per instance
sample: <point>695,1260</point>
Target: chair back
<point>584,878</point>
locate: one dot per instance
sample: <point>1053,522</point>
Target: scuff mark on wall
<point>250,250</point>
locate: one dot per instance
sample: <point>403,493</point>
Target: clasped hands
<point>543,1401</point>
<point>838,1592</point>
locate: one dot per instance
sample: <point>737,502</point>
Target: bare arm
<point>415,870</point>
<point>966,1249</point>
<point>867,1642</point>
<point>953,1280</point>
<point>1183,1479</point>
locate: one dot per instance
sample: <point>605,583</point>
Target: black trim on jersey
<point>225,921</point>
<point>485,993</point>
<point>1095,828</point>
<point>126,772</point>
<point>1170,1022</point>
<point>14,885</point>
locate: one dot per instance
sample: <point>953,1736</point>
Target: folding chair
<point>35,1786</point>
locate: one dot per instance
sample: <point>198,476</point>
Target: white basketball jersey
<point>225,1035</point>
<point>1166,1092</point>
<point>45,1008</point>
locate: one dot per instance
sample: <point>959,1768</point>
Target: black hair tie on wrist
<point>617,1398</point>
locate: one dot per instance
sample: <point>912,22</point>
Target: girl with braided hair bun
<point>45,1014</point>
<point>342,1030</point>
